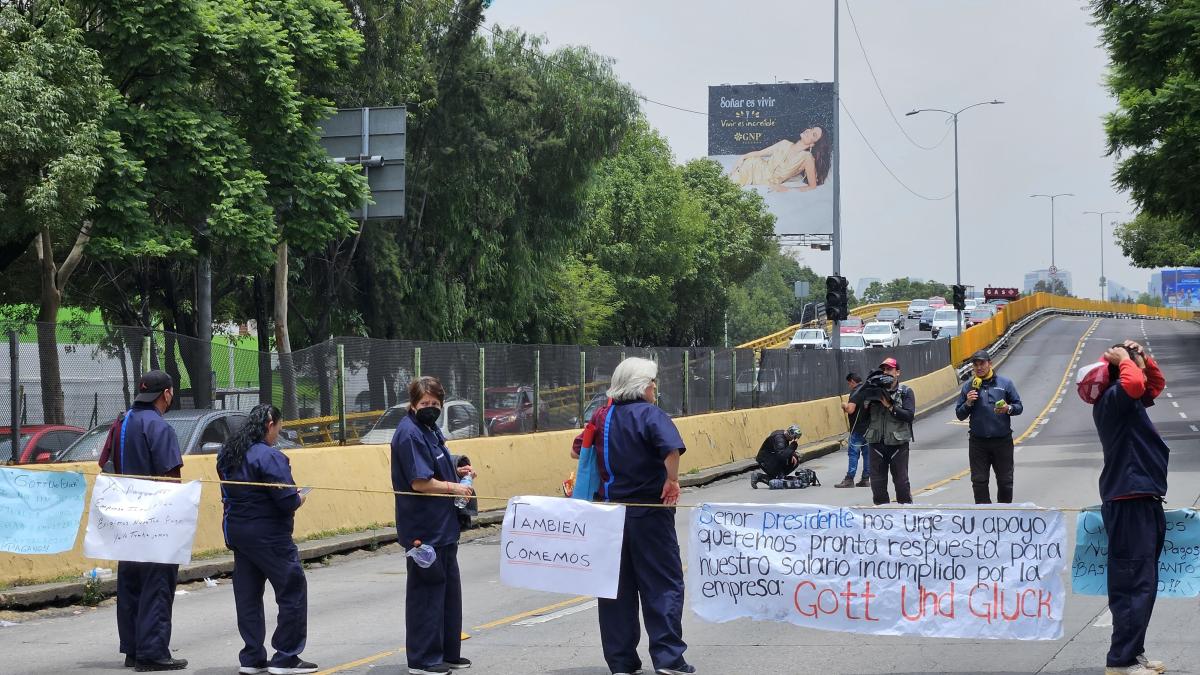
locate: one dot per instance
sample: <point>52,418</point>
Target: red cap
<point>889,362</point>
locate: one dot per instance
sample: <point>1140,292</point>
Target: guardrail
<point>780,339</point>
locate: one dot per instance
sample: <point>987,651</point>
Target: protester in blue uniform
<point>147,446</point>
<point>638,454</point>
<point>421,462</point>
<point>258,524</point>
<point>990,401</point>
<point>1133,483</point>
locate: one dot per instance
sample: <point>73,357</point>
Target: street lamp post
<point>1053,267</point>
<point>957,227</point>
<point>1103,281</point>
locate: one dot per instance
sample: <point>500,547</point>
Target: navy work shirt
<point>148,445</point>
<point>985,421</point>
<point>420,453</point>
<point>260,514</point>
<point>633,441</point>
<point>1135,455</point>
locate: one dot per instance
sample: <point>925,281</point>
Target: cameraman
<point>777,456</point>
<point>892,407</point>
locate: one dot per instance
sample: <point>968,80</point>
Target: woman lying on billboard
<point>810,156</point>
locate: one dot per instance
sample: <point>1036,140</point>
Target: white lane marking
<point>1104,620</point>
<point>1059,401</point>
<point>1170,395</point>
<point>1033,435</point>
<point>1046,420</point>
<point>1175,404</point>
<point>1183,415</point>
<point>1054,409</point>
<point>1194,427</point>
<point>533,621</point>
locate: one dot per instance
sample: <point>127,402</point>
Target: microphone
<point>977,383</point>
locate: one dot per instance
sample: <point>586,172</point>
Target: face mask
<point>429,416</point>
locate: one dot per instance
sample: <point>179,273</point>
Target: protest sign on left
<point>142,520</point>
<point>39,510</point>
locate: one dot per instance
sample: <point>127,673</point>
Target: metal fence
<point>336,390</point>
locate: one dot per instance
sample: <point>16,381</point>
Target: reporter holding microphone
<point>989,401</point>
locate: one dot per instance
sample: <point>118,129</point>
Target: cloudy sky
<point>1042,57</point>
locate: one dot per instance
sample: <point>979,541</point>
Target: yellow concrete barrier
<point>507,466</point>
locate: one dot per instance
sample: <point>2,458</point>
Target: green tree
<point>904,288</point>
<point>1147,299</point>
<point>766,302</point>
<point>1158,242</point>
<point>1054,286</point>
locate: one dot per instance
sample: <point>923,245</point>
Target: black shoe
<point>865,481</point>
<point>160,664</point>
<point>458,664</point>
<point>301,666</point>
<point>439,669</point>
<point>130,661</point>
<point>680,670</point>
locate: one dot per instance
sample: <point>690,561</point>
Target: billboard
<point>777,140</point>
<point>1181,288</point>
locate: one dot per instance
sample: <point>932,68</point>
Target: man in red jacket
<point>1132,486</point>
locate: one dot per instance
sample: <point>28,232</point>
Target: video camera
<point>878,385</point>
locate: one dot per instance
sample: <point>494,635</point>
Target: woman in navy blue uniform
<point>421,463</point>
<point>258,523</point>
<point>639,449</point>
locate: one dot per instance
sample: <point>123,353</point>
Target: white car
<point>881,334</point>
<point>853,342</point>
<point>943,318</point>
<point>916,307</point>
<point>810,338</point>
<point>459,419</point>
<point>968,306</point>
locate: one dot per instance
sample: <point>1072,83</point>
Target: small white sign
<point>142,520</point>
<point>562,545</point>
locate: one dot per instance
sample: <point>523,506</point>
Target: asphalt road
<point>356,615</point>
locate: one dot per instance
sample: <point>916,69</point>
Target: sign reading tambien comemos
<point>946,572</point>
<point>562,545</point>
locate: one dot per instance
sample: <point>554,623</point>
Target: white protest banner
<point>562,545</point>
<point>142,520</point>
<point>971,573</point>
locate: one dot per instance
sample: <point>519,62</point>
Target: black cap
<point>151,385</point>
<point>981,355</point>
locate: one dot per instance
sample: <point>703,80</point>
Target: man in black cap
<point>147,446</point>
<point>990,401</point>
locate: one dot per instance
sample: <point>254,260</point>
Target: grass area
<point>326,534</point>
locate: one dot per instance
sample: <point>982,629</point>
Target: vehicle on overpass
<point>893,316</point>
<point>916,307</point>
<point>926,320</point>
<point>851,326</point>
<point>810,338</point>
<point>459,419</point>
<point>947,332</point>
<point>937,302</point>
<point>853,343</point>
<point>39,443</point>
<point>881,334</point>
<point>982,313</point>
<point>943,318</point>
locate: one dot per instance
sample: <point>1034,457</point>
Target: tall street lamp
<point>1053,268</point>
<point>957,228</point>
<point>1103,281</point>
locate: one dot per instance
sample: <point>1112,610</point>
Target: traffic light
<point>960,297</point>
<point>837,298</point>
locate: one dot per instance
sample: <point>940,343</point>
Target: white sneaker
<point>1156,666</point>
<point>252,670</point>
<point>1135,669</point>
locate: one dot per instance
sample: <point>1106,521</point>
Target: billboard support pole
<point>836,342</point>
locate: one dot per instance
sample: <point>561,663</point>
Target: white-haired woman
<point>638,450</point>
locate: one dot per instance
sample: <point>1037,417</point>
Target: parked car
<point>509,410</point>
<point>881,334</point>
<point>851,326</point>
<point>853,343</point>
<point>982,313</point>
<point>916,307</point>
<point>810,338</point>
<point>926,321</point>
<point>943,318</point>
<point>892,316</point>
<point>590,409</point>
<point>200,432</point>
<point>39,443</point>
<point>459,419</point>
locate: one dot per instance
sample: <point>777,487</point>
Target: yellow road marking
<point>361,662</point>
<point>533,612</point>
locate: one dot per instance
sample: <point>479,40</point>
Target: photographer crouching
<point>892,407</point>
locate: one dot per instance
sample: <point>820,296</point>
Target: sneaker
<point>301,666</point>
<point>458,664</point>
<point>848,481</point>
<point>160,664</point>
<point>681,670</point>
<point>439,669</point>
<point>252,670</point>
<point>865,481</point>
<point>1156,666</point>
<point>632,672</point>
<point>1135,669</point>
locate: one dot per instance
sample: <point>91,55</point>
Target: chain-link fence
<point>355,389</point>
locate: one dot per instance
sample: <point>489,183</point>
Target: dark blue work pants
<point>278,563</point>
<point>145,595</point>
<point>1136,531</point>
<point>650,570</point>
<point>433,610</point>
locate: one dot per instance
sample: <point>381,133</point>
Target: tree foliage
<point>1054,286</point>
<point>904,288</point>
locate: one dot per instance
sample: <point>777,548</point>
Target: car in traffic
<point>200,432</point>
<point>982,313</point>
<point>892,316</point>
<point>916,307</point>
<point>947,332</point>
<point>881,334</point>
<point>810,338</point>
<point>926,320</point>
<point>509,410</point>
<point>943,318</point>
<point>38,443</point>
<point>920,340</point>
<point>937,302</point>
<point>969,305</point>
<point>459,419</point>
<point>851,325</point>
<point>853,343</point>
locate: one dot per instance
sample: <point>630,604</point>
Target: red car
<point>937,301</point>
<point>509,410</point>
<point>40,443</point>
<point>851,326</point>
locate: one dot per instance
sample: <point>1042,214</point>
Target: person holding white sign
<point>639,464</point>
<point>147,446</point>
<point>258,524</point>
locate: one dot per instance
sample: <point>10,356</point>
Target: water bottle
<point>461,502</point>
<point>422,554</point>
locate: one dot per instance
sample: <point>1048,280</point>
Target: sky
<point>1041,57</point>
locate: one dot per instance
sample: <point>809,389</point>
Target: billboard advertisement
<point>777,140</point>
<point>1181,288</point>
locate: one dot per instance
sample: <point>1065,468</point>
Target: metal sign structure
<point>374,139</point>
